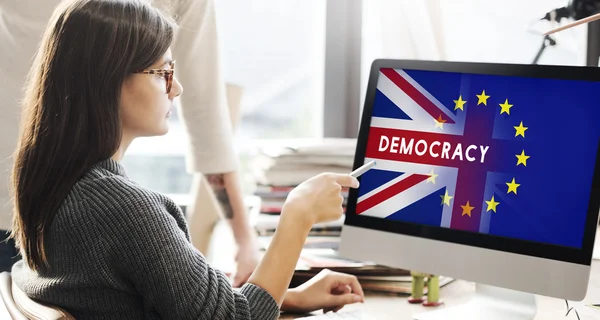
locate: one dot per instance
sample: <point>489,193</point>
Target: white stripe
<point>402,100</point>
<point>426,93</point>
<point>400,124</point>
<point>410,167</point>
<point>451,189</point>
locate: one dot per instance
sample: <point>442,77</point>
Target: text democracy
<point>436,149</point>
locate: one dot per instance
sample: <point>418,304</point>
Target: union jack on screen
<point>468,152</point>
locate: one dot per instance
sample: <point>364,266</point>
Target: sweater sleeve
<point>174,279</point>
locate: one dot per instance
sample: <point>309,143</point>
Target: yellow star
<point>505,107</point>
<point>492,205</point>
<point>522,158</point>
<point>446,199</point>
<point>467,209</point>
<point>482,98</point>
<point>459,103</point>
<point>512,186</point>
<point>432,177</point>
<point>520,130</point>
<point>439,122</point>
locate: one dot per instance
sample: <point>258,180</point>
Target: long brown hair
<point>71,105</point>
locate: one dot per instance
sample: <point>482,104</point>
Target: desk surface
<point>459,291</point>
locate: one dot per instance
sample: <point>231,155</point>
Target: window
<point>275,51</point>
<point>507,31</point>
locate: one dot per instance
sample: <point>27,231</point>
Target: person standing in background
<point>204,111</point>
<point>206,117</point>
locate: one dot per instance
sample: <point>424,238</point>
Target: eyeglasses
<point>167,73</point>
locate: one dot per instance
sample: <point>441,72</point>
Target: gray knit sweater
<point>119,251</point>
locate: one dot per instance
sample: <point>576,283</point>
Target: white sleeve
<point>203,104</point>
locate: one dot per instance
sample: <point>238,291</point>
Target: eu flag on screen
<point>500,155</point>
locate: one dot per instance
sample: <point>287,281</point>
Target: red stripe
<point>390,191</point>
<point>415,94</point>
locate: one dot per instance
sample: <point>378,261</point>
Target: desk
<point>394,307</point>
<point>459,291</point>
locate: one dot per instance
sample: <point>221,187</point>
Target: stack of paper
<point>287,163</point>
<point>281,165</point>
<point>265,224</point>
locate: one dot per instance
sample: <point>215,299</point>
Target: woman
<point>97,244</point>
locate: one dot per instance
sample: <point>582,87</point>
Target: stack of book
<point>372,278</point>
<point>265,225</point>
<point>321,253</point>
<point>281,165</point>
<point>287,163</point>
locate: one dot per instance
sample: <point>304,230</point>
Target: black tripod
<point>577,9</point>
<point>593,45</point>
<point>548,41</point>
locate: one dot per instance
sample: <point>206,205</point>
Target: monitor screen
<point>502,155</point>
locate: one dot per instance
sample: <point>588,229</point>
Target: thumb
<point>345,180</point>
<point>343,299</point>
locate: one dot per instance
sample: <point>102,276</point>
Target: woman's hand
<point>318,199</point>
<point>247,258</point>
<point>328,290</point>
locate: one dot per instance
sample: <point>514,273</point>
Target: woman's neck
<point>125,142</point>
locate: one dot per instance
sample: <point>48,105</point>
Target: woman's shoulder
<point>100,185</point>
<point>108,192</point>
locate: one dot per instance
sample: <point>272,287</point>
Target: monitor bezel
<point>505,244</point>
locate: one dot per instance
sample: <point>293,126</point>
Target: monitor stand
<point>489,303</point>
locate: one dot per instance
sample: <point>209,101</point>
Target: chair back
<point>9,309</point>
<point>21,307</point>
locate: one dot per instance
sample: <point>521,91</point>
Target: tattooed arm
<point>217,182</point>
<point>228,192</point>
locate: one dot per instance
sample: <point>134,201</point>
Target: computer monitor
<point>484,172</point>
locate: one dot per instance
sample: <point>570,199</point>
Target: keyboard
<point>341,315</point>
